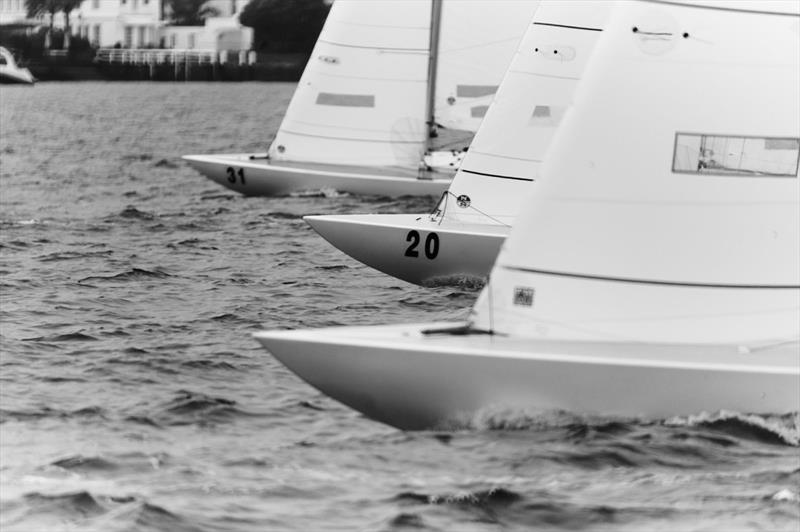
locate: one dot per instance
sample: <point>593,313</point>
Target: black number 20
<point>232,173</point>
<point>431,245</point>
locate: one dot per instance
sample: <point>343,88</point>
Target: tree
<point>285,26</point>
<point>42,7</point>
<point>190,12</point>
<point>67,6</point>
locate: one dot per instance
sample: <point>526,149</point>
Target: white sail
<point>362,97</point>
<point>504,157</point>
<point>477,42</point>
<point>669,205</point>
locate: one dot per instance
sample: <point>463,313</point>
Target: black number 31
<point>232,173</point>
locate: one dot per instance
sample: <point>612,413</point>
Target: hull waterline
<point>412,247</point>
<point>411,380</point>
<point>255,175</point>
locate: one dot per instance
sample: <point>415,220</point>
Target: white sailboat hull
<point>255,175</point>
<point>413,248</point>
<point>411,380</point>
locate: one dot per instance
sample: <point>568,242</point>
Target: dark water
<point>133,398</point>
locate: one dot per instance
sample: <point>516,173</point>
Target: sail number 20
<point>233,174</point>
<point>431,244</point>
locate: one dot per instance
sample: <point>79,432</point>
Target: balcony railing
<point>148,56</point>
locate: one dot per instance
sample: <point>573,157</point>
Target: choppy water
<point>133,398</point>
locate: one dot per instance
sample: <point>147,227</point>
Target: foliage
<point>285,26</point>
<point>190,12</point>
<point>43,7</point>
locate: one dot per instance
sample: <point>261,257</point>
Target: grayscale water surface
<point>132,396</point>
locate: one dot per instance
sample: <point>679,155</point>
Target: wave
<point>135,274</point>
<point>72,255</point>
<point>84,463</point>
<point>81,509</point>
<point>165,163</point>
<point>67,337</point>
<point>721,426</point>
<point>775,430</point>
<point>131,212</point>
<point>470,283</point>
<point>324,192</point>
<point>47,412</point>
<point>503,506</point>
<point>284,215</point>
<point>190,408</point>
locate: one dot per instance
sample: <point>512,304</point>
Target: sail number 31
<point>431,244</point>
<point>233,174</point>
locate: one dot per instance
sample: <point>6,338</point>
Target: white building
<point>218,34</point>
<point>227,8</point>
<point>12,12</point>
<point>131,23</point>
<point>139,24</point>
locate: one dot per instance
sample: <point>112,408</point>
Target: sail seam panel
<point>414,50</point>
<point>497,175</point>
<point>649,281</point>
<point>720,8</point>
<point>352,139</point>
<point>583,28</point>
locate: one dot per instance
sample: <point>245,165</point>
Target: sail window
<point>475,91</point>
<point>547,115</point>
<point>346,100</point>
<point>479,111</point>
<point>735,156</point>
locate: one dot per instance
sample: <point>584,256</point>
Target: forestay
<point>504,157</point>
<point>362,97</point>
<point>668,206</point>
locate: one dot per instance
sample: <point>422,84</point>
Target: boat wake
<point>324,192</point>
<point>467,282</point>
<point>766,429</point>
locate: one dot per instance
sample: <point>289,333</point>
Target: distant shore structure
<point>138,24</point>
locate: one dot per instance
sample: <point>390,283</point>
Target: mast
<point>433,51</point>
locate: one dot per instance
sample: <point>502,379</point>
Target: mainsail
<point>362,97</point>
<point>669,209</point>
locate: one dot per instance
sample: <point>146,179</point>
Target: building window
<point>95,4</point>
<point>191,40</point>
<point>736,156</point>
<point>128,36</point>
<point>96,35</point>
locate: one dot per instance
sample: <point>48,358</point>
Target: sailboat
<point>462,236</point>
<point>383,80</point>
<point>655,271</point>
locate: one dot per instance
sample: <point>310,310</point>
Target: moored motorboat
<point>382,80</point>
<point>655,271</point>
<point>10,72</point>
<point>497,173</point>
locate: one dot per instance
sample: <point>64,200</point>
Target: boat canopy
<point>669,204</point>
